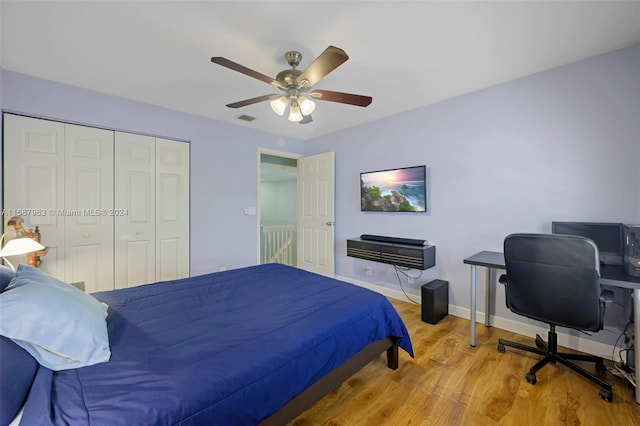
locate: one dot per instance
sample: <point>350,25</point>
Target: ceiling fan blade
<point>246,71</point>
<point>252,101</point>
<point>330,59</point>
<point>341,97</point>
<point>305,119</point>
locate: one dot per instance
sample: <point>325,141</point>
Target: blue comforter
<point>228,348</point>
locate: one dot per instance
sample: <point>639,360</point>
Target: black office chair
<point>555,279</point>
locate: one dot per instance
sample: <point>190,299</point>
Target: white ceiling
<point>403,54</point>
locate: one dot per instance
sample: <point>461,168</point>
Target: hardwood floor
<point>451,383</point>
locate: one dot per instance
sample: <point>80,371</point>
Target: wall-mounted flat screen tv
<point>394,190</point>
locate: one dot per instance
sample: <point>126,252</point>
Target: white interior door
<point>135,197</point>
<point>316,187</point>
<point>34,183</point>
<point>172,209</point>
<point>89,221</point>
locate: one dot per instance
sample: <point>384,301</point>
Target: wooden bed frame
<point>323,386</point>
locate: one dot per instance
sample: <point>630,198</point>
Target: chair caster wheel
<point>600,367</point>
<point>531,378</point>
<point>501,348</point>
<point>606,395</point>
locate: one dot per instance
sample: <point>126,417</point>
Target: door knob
<point>330,223</point>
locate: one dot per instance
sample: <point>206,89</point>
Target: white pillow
<point>59,325</point>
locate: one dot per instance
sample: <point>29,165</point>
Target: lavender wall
<point>559,145</point>
<point>223,159</point>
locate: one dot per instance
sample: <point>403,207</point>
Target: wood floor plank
<point>451,383</point>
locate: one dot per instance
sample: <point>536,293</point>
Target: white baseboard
<point>571,341</point>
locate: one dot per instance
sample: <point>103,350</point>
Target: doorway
<point>278,207</point>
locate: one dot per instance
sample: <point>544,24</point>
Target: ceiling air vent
<point>246,117</point>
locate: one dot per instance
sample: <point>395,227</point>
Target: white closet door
<point>89,199</point>
<point>172,209</point>
<point>135,198</point>
<point>112,207</point>
<point>34,183</point>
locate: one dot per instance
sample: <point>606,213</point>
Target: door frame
<point>275,153</point>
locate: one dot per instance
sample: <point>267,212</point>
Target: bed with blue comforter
<point>227,348</point>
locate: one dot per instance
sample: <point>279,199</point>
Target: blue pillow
<point>59,325</point>
<point>17,370</point>
<point>6,275</point>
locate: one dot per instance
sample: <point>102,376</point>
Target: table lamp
<point>21,245</point>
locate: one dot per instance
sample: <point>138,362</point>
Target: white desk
<point>611,275</point>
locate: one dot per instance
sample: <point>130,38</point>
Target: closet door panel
<point>89,154</point>
<point>113,207</point>
<point>34,183</point>
<point>135,197</point>
<point>84,264</point>
<point>169,259</point>
<point>172,209</point>
<point>139,262</point>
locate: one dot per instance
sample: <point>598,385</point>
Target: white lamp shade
<point>306,105</point>
<point>279,105</point>
<point>294,113</point>
<point>20,246</point>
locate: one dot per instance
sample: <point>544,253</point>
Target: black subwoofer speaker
<point>435,301</point>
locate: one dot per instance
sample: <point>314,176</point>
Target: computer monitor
<point>607,236</point>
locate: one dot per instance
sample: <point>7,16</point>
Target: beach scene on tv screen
<point>398,190</point>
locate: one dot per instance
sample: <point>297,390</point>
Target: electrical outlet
<point>368,271</point>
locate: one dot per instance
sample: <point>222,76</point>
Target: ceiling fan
<point>297,86</point>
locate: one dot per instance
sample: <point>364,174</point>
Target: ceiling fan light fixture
<point>307,106</point>
<point>294,83</point>
<point>294,112</point>
<point>279,105</point>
